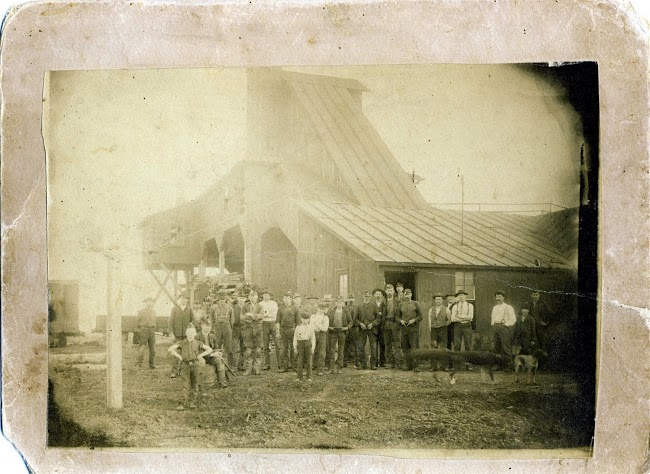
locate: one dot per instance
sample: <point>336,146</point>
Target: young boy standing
<point>304,344</point>
<point>190,356</point>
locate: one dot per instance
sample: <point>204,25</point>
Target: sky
<point>123,144</point>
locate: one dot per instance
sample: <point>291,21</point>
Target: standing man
<point>525,332</point>
<point>270,329</point>
<point>462,315</point>
<point>399,287</point>
<point>368,318</point>
<point>410,317</point>
<point>237,338</point>
<point>542,315</point>
<point>450,302</point>
<point>380,297</point>
<point>288,319</point>
<point>340,322</point>
<point>439,319</point>
<point>222,317</point>
<point>252,335</point>
<point>179,320</point>
<point>353,333</point>
<point>312,305</point>
<point>391,329</point>
<point>146,324</point>
<point>320,324</point>
<point>503,324</point>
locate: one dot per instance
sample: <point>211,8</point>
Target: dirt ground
<point>356,409</point>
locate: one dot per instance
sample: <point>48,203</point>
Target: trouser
<point>223,336</point>
<point>439,338</point>
<point>321,344</point>
<point>288,356</point>
<point>410,341</point>
<point>462,333</point>
<point>147,339</point>
<point>392,342</point>
<point>351,346</point>
<point>237,347</point>
<point>337,348</point>
<point>190,374</point>
<point>450,337</point>
<point>304,357</point>
<point>503,339</point>
<point>252,336</point>
<point>381,345</point>
<point>268,333</point>
<point>176,364</point>
<point>366,335</point>
<point>216,363</point>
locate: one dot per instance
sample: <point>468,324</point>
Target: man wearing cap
<point>312,305</point>
<point>340,322</point>
<point>253,314</point>
<point>288,319</point>
<point>542,315</point>
<point>145,321</point>
<point>222,316</point>
<point>525,333</point>
<point>353,333</point>
<point>320,323</point>
<point>368,318</point>
<point>304,344</point>
<point>450,301</point>
<point>179,320</point>
<point>391,329</point>
<point>188,353</point>
<point>439,319</point>
<point>270,329</point>
<point>410,317</point>
<point>462,315</point>
<point>503,322</point>
<point>237,338</point>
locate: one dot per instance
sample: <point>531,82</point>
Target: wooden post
<point>222,261</point>
<point>113,341</point>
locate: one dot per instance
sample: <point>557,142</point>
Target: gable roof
<point>366,164</point>
<point>433,236</point>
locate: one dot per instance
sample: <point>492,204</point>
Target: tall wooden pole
<point>113,341</point>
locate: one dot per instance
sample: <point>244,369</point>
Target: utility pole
<point>113,339</point>
<point>462,210</point>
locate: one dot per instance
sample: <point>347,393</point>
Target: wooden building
<point>320,205</point>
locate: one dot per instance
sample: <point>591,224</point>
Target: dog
<point>530,363</point>
<point>484,359</point>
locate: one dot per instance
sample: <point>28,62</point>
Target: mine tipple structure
<point>320,205</point>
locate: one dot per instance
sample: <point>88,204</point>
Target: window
<point>343,283</point>
<point>465,281</point>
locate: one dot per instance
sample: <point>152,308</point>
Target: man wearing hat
<point>410,317</point>
<point>462,315</point>
<point>399,288</point>
<point>222,316</point>
<point>525,333</point>
<point>253,314</point>
<point>368,319</point>
<point>391,329</point>
<point>439,319</point>
<point>180,318</point>
<point>270,329</point>
<point>543,316</point>
<point>145,321</point>
<point>312,305</point>
<point>353,332</point>
<point>237,338</point>
<point>340,322</point>
<point>320,323</point>
<point>503,322</point>
<point>288,319</point>
<point>450,301</point>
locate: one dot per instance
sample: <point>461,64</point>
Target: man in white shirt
<point>462,315</point>
<point>270,329</point>
<point>503,324</point>
<point>320,324</point>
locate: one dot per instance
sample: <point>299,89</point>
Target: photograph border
<point>64,36</point>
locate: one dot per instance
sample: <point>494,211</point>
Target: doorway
<point>408,279</point>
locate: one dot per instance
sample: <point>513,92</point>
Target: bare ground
<point>352,410</point>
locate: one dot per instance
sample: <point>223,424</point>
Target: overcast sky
<point>124,144</point>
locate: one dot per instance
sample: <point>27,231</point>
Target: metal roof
<point>433,236</point>
<point>366,164</point>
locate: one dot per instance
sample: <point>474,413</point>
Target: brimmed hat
<point>526,307</point>
<point>297,295</point>
<point>499,292</point>
<point>367,293</point>
<point>323,304</point>
<point>287,293</point>
<point>305,315</point>
<point>450,294</point>
<point>390,286</point>
<point>461,292</point>
<point>438,295</point>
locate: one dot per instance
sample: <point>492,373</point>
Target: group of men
<point>328,334</point>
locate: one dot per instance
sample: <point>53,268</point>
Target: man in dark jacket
<point>368,319</point>
<point>340,323</point>
<point>287,318</point>
<point>391,329</point>
<point>543,316</point>
<point>180,318</point>
<point>525,332</point>
<point>353,333</point>
<point>410,317</point>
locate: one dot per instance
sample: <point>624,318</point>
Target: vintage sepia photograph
<point>398,257</point>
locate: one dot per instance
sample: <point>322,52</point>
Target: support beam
<point>163,287</point>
